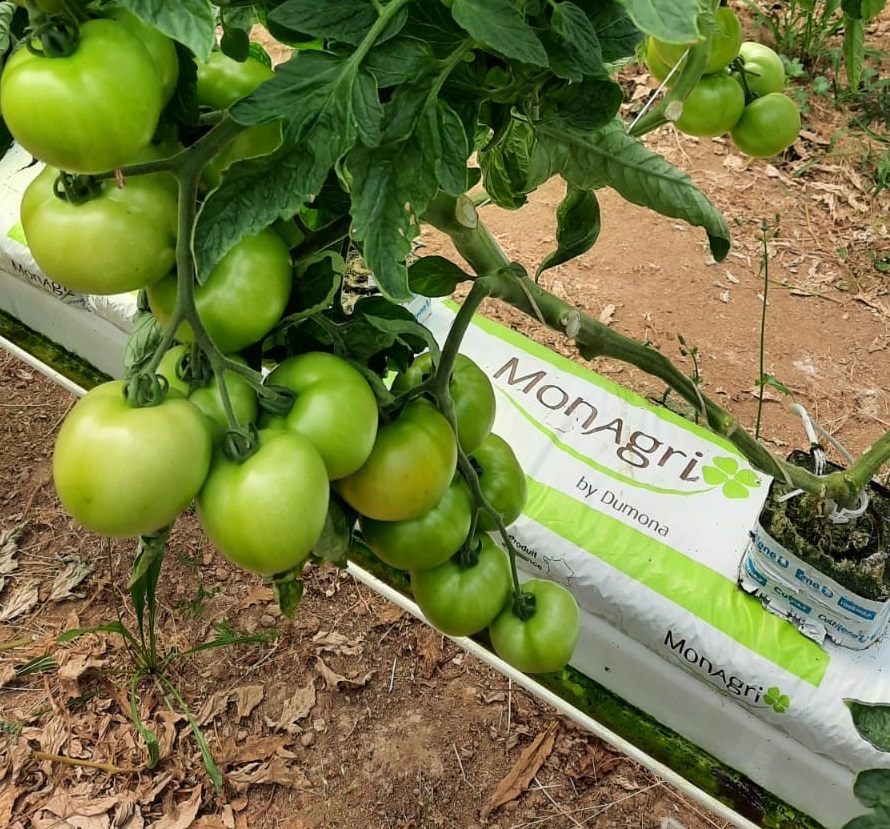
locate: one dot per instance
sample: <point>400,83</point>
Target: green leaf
<point>573,46</point>
<point>514,165</point>
<point>288,591</point>
<point>346,21</point>
<point>109,627</point>
<point>318,278</point>
<point>673,21</point>
<point>774,382</point>
<point>398,60</point>
<point>425,145</point>
<point>236,25</point>
<point>872,8</point>
<point>191,22</point>
<point>872,789</point>
<point>142,342</point>
<point>435,276</point>
<point>611,157</point>
<point>577,227</point>
<point>584,106</point>
<point>617,34</point>
<point>336,537</point>
<point>872,721</point>
<point>873,820</point>
<point>151,739</point>
<point>501,26</point>
<point>7,10</point>
<point>854,50</point>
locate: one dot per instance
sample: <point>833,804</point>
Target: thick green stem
<point>594,339</point>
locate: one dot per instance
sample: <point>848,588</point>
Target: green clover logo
<point>736,482</point>
<point>779,701</point>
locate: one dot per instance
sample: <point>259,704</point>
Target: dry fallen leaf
<point>296,708</point>
<point>183,815</point>
<point>278,770</point>
<point>65,582</point>
<point>20,602</point>
<point>9,546</point>
<point>333,642</point>
<point>336,681</point>
<point>524,769</point>
<point>255,748</point>
<point>248,697</point>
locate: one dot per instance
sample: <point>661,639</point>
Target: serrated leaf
<point>872,789</point>
<point>346,21</point>
<point>573,47</point>
<point>674,21</point>
<point>514,165</point>
<point>191,22</point>
<point>502,27</point>
<point>586,106</point>
<point>425,147</point>
<point>610,157</point>
<point>617,34</point>
<point>435,276</point>
<point>577,227</point>
<point>872,721</point>
<point>7,10</point>
<point>397,60</point>
<point>142,342</point>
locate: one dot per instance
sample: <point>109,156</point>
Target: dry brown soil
<point>357,715</point>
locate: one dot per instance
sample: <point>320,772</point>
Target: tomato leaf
<point>618,35</point>
<point>502,27</point>
<point>879,819</point>
<point>435,276</point>
<point>573,47</point>
<point>288,591</point>
<point>514,165</point>
<point>142,342</point>
<point>347,21</point>
<point>318,278</point>
<point>191,22</point>
<point>872,789</point>
<point>584,106</point>
<point>872,721</point>
<point>397,60</point>
<point>674,22</point>
<point>425,147</point>
<point>610,157</point>
<point>578,227</point>
<point>336,537</point>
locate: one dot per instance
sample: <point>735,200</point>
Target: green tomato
<point>501,480</point>
<point>763,69</point>
<point>713,106</point>
<point>120,240</point>
<point>725,43</point>
<point>123,471</point>
<point>335,408</point>
<point>242,298</point>
<point>428,540</point>
<point>159,46</point>
<point>461,601</point>
<point>222,81</point>
<point>471,391</point>
<point>89,112</point>
<point>545,642</point>
<point>656,64</point>
<point>266,513</point>
<point>410,467</point>
<point>768,126</point>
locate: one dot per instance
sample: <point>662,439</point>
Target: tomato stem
<point>524,605</point>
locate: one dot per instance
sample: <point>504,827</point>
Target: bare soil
<point>357,715</point>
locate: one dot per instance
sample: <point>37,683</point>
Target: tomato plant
<point>762,68</point>
<point>471,391</point>
<point>411,464</point>
<point>335,408</point>
<point>501,479</point>
<point>713,107</point>
<point>117,238</point>
<point>460,597</point>
<point>266,512</point>
<point>767,126</point>
<point>544,641</point>
<point>123,470</point>
<point>427,540</point>
<point>90,111</point>
<point>242,298</point>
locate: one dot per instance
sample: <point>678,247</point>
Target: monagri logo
<point>633,446</point>
<point>753,694</point>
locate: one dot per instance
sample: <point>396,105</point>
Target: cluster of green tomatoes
<point>740,92</point>
<point>428,492</point>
